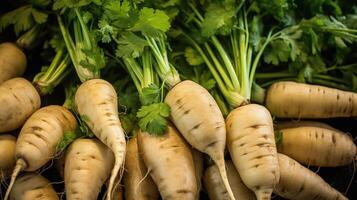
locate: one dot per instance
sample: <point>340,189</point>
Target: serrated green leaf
<point>59,4</point>
<point>152,22</point>
<point>22,18</point>
<point>153,118</point>
<point>219,17</point>
<point>193,57</point>
<point>68,138</point>
<point>130,45</point>
<point>39,17</point>
<point>150,94</point>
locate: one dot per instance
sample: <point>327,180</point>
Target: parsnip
<point>251,144</point>
<point>316,144</point>
<point>299,183</point>
<point>170,163</point>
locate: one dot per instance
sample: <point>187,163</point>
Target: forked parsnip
<point>7,155</point>
<point>33,186</point>
<point>251,144</point>
<point>12,61</point>
<point>169,161</point>
<point>196,115</point>
<point>138,183</point>
<point>299,183</point>
<point>316,144</point>
<point>21,100</point>
<point>96,101</point>
<point>215,188</point>
<point>198,162</point>
<point>39,137</point>
<point>299,100</point>
<point>88,164</point>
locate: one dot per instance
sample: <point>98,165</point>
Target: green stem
<point>258,94</point>
<point>257,58</point>
<point>227,62</point>
<point>29,39</point>
<point>84,30</point>
<point>46,81</point>
<point>329,84</point>
<point>220,68</point>
<point>135,72</point>
<point>274,75</point>
<point>329,78</point>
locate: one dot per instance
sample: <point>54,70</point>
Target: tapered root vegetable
<point>137,183</point>
<point>316,144</point>
<point>214,186</point>
<point>87,166</point>
<point>97,100</point>
<point>198,162</point>
<point>299,183</point>
<point>299,100</point>
<point>12,61</point>
<point>7,155</point>
<point>198,118</point>
<point>32,186</point>
<point>39,137</point>
<point>250,141</point>
<point>21,100</point>
<point>170,163</point>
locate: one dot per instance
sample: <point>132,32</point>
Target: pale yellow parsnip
<point>12,61</point>
<point>138,183</point>
<point>299,183</point>
<point>170,163</point>
<point>197,116</point>
<point>88,163</point>
<point>31,186</point>
<point>251,144</point>
<point>97,102</point>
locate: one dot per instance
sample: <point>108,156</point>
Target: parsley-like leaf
<point>152,22</point>
<point>22,18</point>
<point>59,4</point>
<point>219,18</point>
<point>193,57</point>
<point>130,45</point>
<point>153,118</point>
<point>150,94</point>
<point>67,139</point>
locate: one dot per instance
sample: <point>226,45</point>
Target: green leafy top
<point>23,18</point>
<point>87,57</point>
<point>135,28</point>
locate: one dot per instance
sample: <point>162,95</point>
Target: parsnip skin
<point>7,154</point>
<point>87,166</point>
<point>97,100</point>
<point>12,61</point>
<point>170,163</point>
<point>298,100</point>
<point>198,162</point>
<point>316,144</point>
<point>299,183</point>
<point>137,183</point>
<point>39,137</point>
<point>197,116</point>
<point>32,186</point>
<point>251,144</point>
<point>214,186</point>
<point>19,99</point>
